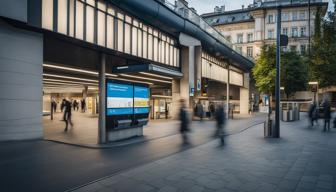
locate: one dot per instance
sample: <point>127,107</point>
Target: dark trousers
<point>68,120</point>
<point>326,125</point>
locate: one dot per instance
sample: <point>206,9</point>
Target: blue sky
<point>206,6</point>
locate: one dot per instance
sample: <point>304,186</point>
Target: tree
<point>264,71</point>
<point>294,73</point>
<point>323,55</point>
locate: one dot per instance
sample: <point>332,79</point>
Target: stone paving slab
<point>303,159</point>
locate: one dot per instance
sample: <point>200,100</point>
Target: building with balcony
<point>251,27</point>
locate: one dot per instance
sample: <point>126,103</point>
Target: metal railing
<point>193,17</point>
<point>275,3</point>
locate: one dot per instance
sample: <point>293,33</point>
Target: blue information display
<point>119,99</point>
<point>141,100</point>
<point>126,99</point>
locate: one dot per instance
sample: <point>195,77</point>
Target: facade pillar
<point>176,96</point>
<point>191,64</point>
<point>21,82</point>
<point>187,83</point>
<point>102,100</point>
<point>198,75</point>
<point>244,101</point>
<point>228,93</point>
<point>184,81</point>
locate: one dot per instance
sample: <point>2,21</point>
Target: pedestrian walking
<point>220,119</point>
<point>67,115</point>
<point>184,127</point>
<point>313,113</point>
<point>212,110</point>
<point>326,115</point>
<point>199,110</point>
<point>63,107</point>
<point>83,105</point>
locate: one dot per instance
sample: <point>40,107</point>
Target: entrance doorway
<point>161,107</point>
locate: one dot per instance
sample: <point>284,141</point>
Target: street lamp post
<point>277,80</point>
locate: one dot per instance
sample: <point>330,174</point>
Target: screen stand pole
<point>102,101</point>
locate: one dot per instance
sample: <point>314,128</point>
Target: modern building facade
<point>251,27</point>
<point>55,49</point>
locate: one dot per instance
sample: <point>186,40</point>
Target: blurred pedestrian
<point>212,110</point>
<point>220,119</point>
<point>184,129</point>
<point>199,110</point>
<point>62,108</point>
<point>312,113</point>
<point>53,105</point>
<point>83,105</point>
<point>326,115</point>
<point>67,115</point>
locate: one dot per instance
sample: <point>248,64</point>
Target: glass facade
<point>100,23</point>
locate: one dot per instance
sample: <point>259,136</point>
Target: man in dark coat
<point>312,113</point>
<point>220,119</point>
<point>67,114</point>
<point>326,115</point>
<point>184,122</point>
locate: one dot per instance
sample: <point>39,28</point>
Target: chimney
<point>184,2</point>
<point>243,6</point>
<point>216,9</point>
<point>222,8</point>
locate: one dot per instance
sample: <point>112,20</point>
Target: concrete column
<point>21,58</point>
<point>244,101</point>
<point>176,96</point>
<point>85,91</point>
<point>184,81</point>
<point>191,70</point>
<point>102,100</point>
<point>198,64</point>
<point>228,92</point>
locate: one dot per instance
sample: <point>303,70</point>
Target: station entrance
<point>73,75</point>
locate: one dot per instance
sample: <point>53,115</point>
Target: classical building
<point>250,28</point>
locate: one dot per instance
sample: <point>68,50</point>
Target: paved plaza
<point>303,159</point>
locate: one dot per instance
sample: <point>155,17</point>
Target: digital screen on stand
<point>119,99</point>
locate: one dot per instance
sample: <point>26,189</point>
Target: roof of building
<point>236,16</point>
<point>244,15</point>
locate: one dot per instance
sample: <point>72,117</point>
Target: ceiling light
<point>70,69</point>
<point>137,77</point>
<point>67,77</point>
<point>155,75</point>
